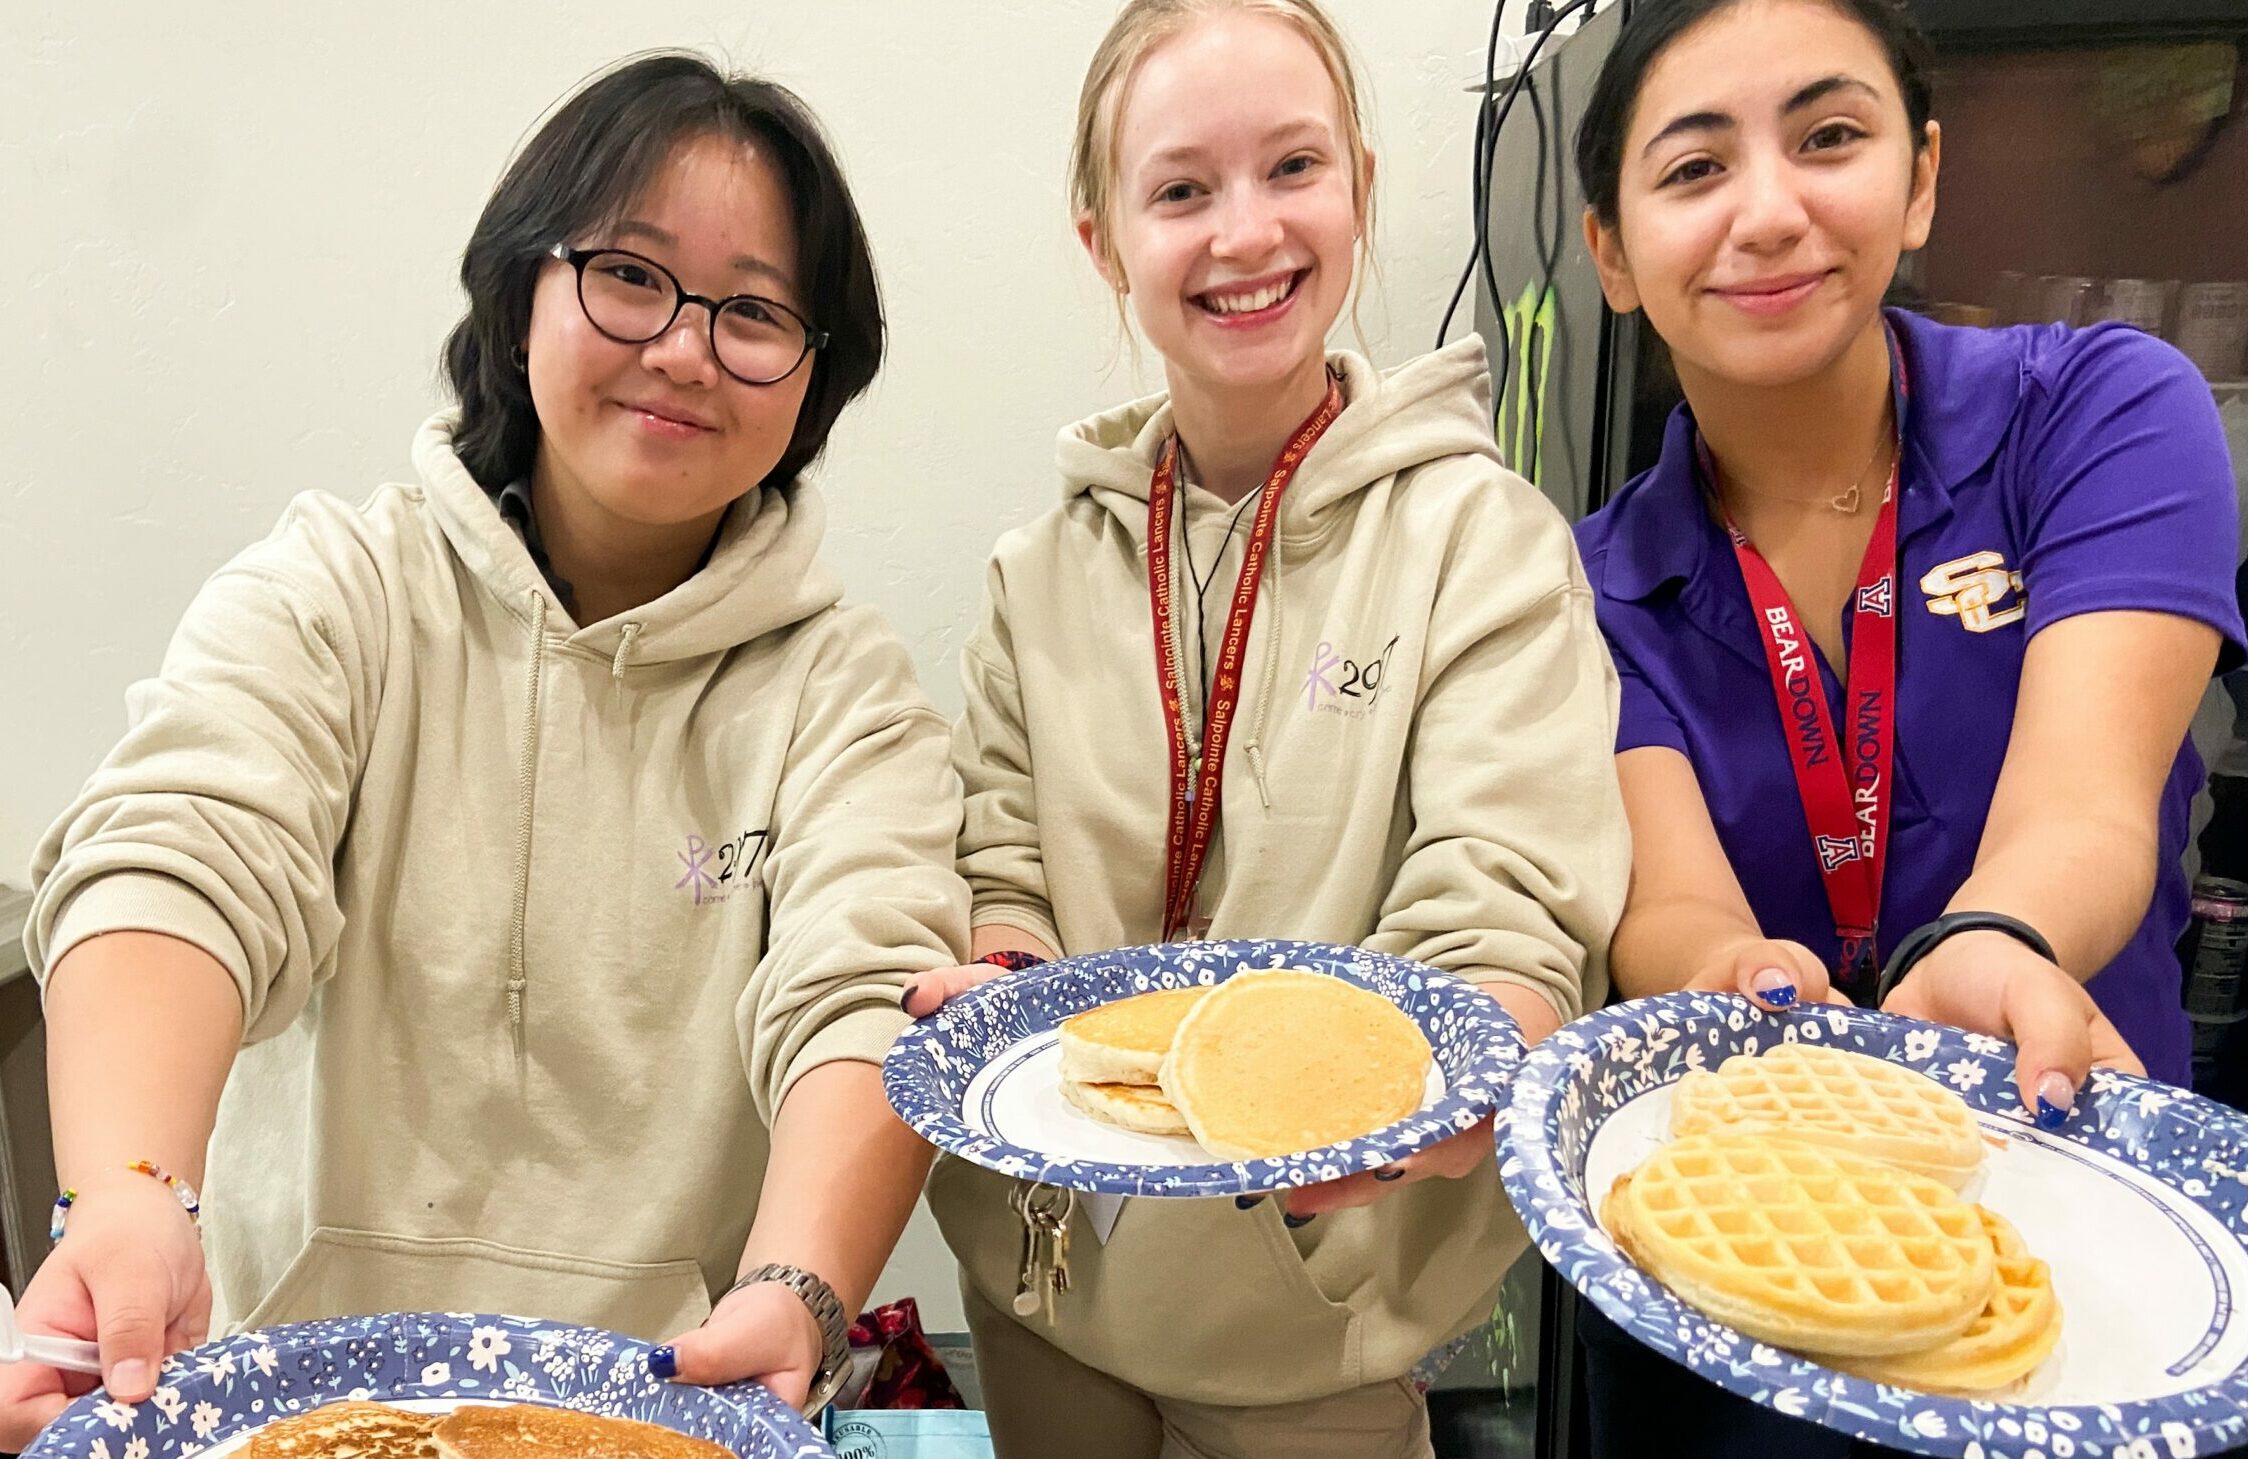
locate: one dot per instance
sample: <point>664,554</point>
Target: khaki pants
<point>1044,1404</point>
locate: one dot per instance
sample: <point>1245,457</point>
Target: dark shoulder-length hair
<point>581,170</point>
<point>1656,24</point>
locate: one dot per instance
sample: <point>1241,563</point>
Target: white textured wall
<point>231,238</point>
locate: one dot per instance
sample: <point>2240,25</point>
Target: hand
<point>129,1275</point>
<point>1452,1158</point>
<point>1988,983</point>
<point>763,1333</point>
<point>1777,975</point>
<point>927,992</point>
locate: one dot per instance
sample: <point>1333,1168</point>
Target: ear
<point>1606,246</point>
<point>1090,239</point>
<point>1920,211</point>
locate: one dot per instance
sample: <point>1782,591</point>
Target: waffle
<point>347,1431</point>
<point>1804,1247</point>
<point>1279,1061</point>
<point>1844,1101</point>
<point>2015,1331</point>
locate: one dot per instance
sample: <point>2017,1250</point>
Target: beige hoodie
<point>1457,805</point>
<point>534,925</point>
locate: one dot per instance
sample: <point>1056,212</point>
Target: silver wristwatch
<point>827,1311</point>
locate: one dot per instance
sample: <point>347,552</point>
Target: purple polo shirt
<point>2047,472</point>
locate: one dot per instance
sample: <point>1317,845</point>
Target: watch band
<point>1923,940</point>
<point>827,1311</point>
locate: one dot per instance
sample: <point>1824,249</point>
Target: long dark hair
<point>581,170</point>
<point>1655,24</point>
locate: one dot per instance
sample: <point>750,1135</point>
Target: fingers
<point>131,1295</point>
<point>2051,1019</point>
<point>2110,1050</point>
<point>761,1332</point>
<point>21,1419</point>
<point>925,993</point>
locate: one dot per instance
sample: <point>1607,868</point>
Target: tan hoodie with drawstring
<point>1421,763</point>
<point>534,925</point>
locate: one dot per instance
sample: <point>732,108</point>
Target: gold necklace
<point>1846,502</point>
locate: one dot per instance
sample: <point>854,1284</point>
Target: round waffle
<point>2015,1331</point>
<point>1830,1097</point>
<point>1804,1247</point>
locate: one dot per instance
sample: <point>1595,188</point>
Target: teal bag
<point>907,1433</point>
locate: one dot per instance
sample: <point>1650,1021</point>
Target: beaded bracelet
<point>189,1201</point>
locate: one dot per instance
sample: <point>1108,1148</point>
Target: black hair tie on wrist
<point>1923,940</point>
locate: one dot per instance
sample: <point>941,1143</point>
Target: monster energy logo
<point>1529,334</point>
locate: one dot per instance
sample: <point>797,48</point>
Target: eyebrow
<point>1717,121</point>
<point>1301,125</point>
<point>744,263</point>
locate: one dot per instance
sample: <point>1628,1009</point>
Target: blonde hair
<point>1138,29</point>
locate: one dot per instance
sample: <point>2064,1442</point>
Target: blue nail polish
<point>1389,1174</point>
<point>663,1362</point>
<point>1781,997</point>
<point>1297,1223</point>
<point>2050,1116</point>
<point>1247,1203</point>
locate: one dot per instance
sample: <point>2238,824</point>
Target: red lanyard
<point>1845,802</point>
<point>1196,789</point>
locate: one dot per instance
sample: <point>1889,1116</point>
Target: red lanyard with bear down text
<point>1845,786</point>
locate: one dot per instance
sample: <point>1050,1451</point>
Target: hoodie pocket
<point>348,1273</point>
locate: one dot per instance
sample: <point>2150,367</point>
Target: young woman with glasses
<point>508,878</point>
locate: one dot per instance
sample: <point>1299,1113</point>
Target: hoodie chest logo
<point>1350,687</point>
<point>713,873</point>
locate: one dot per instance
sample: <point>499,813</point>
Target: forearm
<point>1661,945</point>
<point>141,1031</point>
<point>840,1183</point>
<point>1000,937</point>
<point>2081,878</point>
<point>1529,1009</point>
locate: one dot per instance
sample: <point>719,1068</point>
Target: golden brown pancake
<point>1280,1061</point>
<point>1124,1042</point>
<point>347,1431</point>
<point>1140,1108</point>
<point>526,1431</point>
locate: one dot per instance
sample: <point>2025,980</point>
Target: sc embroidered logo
<point>1837,851</point>
<point>1975,589</point>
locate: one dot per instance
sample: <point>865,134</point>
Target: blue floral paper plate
<point>2139,1205</point>
<point>208,1401</point>
<point>981,1078</point>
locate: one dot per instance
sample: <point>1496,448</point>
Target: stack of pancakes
<point>1809,1199</point>
<point>377,1431</point>
<point>1268,1063</point>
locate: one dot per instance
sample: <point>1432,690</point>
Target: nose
<point>682,353</point>
<point>1771,216</point>
<point>1248,227</point>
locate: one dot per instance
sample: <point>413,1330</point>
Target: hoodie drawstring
<point>527,775</point>
<point>1255,747</point>
<point>624,651</point>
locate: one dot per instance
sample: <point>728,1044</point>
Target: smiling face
<point>1234,215</point>
<point>656,434</point>
<point>1769,184</point>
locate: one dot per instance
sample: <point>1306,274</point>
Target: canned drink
<point>2214,950</point>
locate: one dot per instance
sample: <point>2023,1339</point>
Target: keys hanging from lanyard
<point>1196,787</point>
<point>1843,780</point>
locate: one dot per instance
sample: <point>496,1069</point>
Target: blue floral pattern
<point>223,1389</point>
<point>1580,1076</point>
<point>928,1071</point>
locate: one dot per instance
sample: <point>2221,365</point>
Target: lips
<point>667,417</point>
<point>1252,300</point>
<point>1773,296</point>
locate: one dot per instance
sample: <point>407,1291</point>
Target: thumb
<point>745,1339</point>
<point>2054,1033</point>
<point>131,1295</point>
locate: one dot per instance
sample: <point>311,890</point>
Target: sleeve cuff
<point>1022,919</point>
<point>862,1033</point>
<point>145,901</point>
